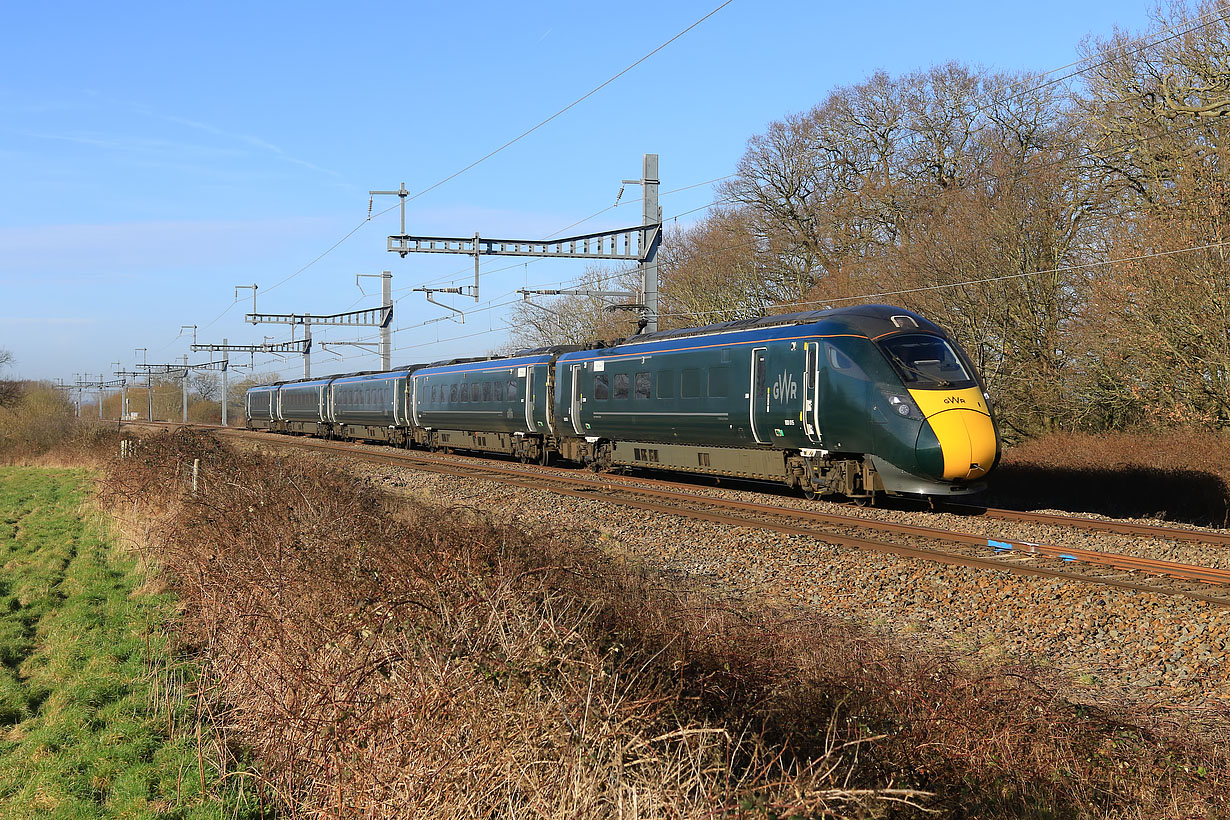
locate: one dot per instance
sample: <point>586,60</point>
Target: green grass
<point>87,718</point>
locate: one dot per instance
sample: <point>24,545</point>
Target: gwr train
<point>851,401</point>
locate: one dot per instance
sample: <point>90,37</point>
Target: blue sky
<point>154,156</point>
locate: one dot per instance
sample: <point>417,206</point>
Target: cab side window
<point>841,363</point>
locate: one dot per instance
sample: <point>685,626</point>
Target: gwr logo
<point>954,400</point>
<point>785,388</point>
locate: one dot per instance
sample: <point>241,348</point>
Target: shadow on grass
<point>1187,496</point>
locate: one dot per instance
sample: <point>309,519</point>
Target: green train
<point>851,402</point>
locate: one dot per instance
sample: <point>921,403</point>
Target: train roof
<point>870,320</point>
<point>497,362</point>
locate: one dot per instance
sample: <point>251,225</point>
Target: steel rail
<point>564,485</point>
<point>1093,524</point>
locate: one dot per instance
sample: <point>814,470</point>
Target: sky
<point>153,156</point>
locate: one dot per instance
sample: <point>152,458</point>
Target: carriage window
<point>666,384</point>
<point>512,391</point>
<point>689,384</point>
<point>435,394</point>
<point>718,382</point>
<point>476,392</point>
<point>452,393</point>
<point>642,385</point>
<point>486,391</point>
<point>499,391</point>
<point>602,388</point>
<point>463,392</point>
<point>621,385</point>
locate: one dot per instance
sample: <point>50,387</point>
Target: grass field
<point>89,725</point>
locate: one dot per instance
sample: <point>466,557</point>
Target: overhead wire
<point>568,107</point>
<point>983,281</point>
<point>1118,51</point>
<point>1141,43</point>
<point>492,153</point>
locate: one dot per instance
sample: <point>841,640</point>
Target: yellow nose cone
<point>967,439</point>
<point>961,421</point>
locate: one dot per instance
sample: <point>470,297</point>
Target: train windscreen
<point>926,362</point>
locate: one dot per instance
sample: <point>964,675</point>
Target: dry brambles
<point>416,661</point>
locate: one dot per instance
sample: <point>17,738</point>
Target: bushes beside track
<point>395,659</point>
<point>1178,476</point>
<point>42,426</point>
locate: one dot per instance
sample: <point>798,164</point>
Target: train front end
<point>949,433</point>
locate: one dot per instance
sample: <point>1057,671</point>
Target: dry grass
<point>431,662</point>
<point>42,429</point>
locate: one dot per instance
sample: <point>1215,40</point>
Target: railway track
<point>944,546</point>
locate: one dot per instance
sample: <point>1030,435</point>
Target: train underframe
<point>812,472</point>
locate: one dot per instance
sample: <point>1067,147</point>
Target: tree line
<point>1069,231</point>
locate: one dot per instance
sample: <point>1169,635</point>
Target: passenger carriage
<point>370,406</point>
<point>301,407</point>
<point>849,401</point>
<point>492,405</point>
<point>260,404</point>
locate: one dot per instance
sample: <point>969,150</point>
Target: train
<point>850,402</point>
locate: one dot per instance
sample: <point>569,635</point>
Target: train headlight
<point>903,406</point>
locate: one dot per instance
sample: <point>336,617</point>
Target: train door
<point>528,374</point>
<point>759,395</point>
<point>542,397</point>
<point>811,390</point>
<point>412,388</point>
<point>575,406</point>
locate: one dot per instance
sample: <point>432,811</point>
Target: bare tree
<point>1162,116</point>
<point>237,389</point>
<point>10,390</point>
<point>206,385</point>
<point>576,319</point>
<point>713,271</point>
